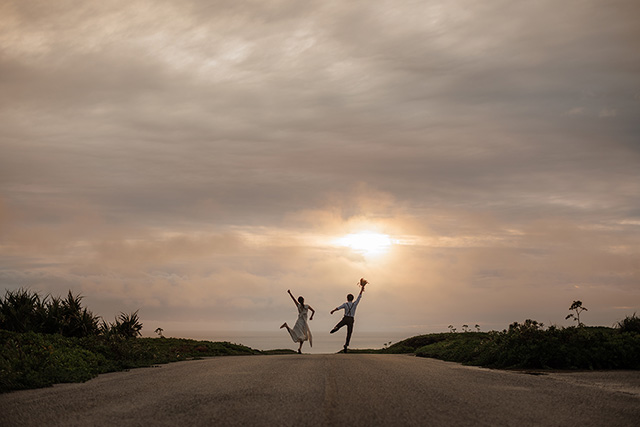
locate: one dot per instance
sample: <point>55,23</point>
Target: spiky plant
<point>129,325</point>
<point>77,321</point>
<point>19,310</point>
<point>52,322</point>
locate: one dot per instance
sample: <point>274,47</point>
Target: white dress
<point>301,332</point>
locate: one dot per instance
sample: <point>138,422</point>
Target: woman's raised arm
<point>292,297</point>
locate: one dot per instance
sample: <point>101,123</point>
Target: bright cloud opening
<point>367,242</point>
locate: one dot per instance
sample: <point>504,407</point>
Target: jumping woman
<point>300,332</point>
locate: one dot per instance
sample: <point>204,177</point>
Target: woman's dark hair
<point>301,300</point>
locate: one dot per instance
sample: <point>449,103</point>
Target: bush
<point>629,324</point>
<point>528,345</point>
<point>125,325</point>
<point>23,310</point>
<point>455,347</point>
<point>409,345</point>
<point>50,340</point>
<point>30,360</point>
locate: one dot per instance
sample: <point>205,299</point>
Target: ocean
<point>323,342</point>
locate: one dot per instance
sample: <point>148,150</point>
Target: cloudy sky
<point>196,159</point>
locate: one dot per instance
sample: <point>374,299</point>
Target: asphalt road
<point>328,390</point>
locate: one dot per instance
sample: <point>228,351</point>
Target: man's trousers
<point>348,321</point>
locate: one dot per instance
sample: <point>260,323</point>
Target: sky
<point>194,160</point>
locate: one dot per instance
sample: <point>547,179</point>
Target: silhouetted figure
<point>349,314</point>
<point>300,332</point>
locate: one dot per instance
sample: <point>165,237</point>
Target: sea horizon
<point>323,343</point>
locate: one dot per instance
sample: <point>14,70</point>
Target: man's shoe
<point>345,348</point>
<point>333,330</point>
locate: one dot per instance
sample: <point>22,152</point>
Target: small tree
<point>129,325</point>
<point>125,326</point>
<point>451,329</point>
<point>477,327</point>
<point>578,308</point>
<point>465,328</point>
<point>159,332</point>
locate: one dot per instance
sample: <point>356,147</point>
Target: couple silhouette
<point>301,332</point>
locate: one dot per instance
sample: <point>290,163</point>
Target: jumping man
<point>349,314</point>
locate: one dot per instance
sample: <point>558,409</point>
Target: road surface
<point>330,390</point>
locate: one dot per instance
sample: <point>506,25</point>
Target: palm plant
<point>71,314</point>
<point>52,317</point>
<point>77,321</point>
<point>23,310</point>
<point>19,310</point>
<point>128,325</point>
<point>107,329</point>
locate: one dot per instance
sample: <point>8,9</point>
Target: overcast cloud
<point>196,159</point>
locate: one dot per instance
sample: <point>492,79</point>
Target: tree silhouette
<point>578,308</point>
<point>159,332</point>
<point>23,310</point>
<point>477,327</point>
<point>451,329</point>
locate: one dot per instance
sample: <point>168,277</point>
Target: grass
<point>48,340</point>
<point>530,346</point>
<point>33,360</point>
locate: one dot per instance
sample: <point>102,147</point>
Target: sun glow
<point>367,242</point>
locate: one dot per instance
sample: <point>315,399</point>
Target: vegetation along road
<point>336,389</point>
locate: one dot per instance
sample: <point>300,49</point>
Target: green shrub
<point>528,345</point>
<point>125,326</point>
<point>51,340</point>
<point>629,324</point>
<point>23,310</point>
<point>409,345</point>
<point>30,360</point>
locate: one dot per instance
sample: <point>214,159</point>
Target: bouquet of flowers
<point>362,283</point>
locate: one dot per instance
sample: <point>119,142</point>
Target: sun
<point>367,242</point>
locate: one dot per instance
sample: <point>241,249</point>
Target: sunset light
<point>367,242</point>
<point>192,163</point>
